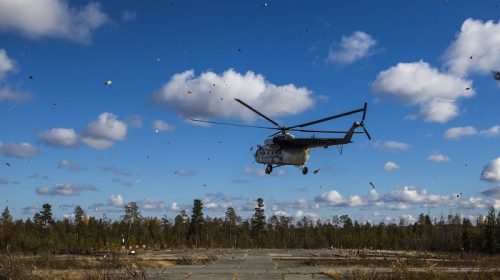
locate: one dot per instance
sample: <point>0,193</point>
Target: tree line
<point>86,234</point>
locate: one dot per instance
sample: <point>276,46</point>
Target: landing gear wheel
<point>269,169</point>
<point>305,170</point>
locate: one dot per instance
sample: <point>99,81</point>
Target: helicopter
<point>282,148</point>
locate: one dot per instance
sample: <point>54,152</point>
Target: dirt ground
<point>264,264</point>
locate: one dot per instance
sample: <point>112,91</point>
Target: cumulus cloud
<point>457,132</point>
<point>391,145</point>
<point>107,126</point>
<point>474,203</point>
<point>67,189</point>
<point>6,64</point>
<point>103,132</point>
<point>390,166</point>
<point>438,157</point>
<point>334,198</point>
<point>352,48</point>
<point>116,200</point>
<point>69,165</point>
<point>30,210</point>
<point>151,204</point>
<point>174,206</point>
<point>413,195</point>
<point>417,83</point>
<point>211,95</point>
<point>490,132</point>
<point>261,172</point>
<point>159,126</point>
<point>492,192</point>
<point>51,18</point>
<point>60,137</point>
<point>14,96</point>
<point>491,172</point>
<point>19,150</point>
<point>465,56</point>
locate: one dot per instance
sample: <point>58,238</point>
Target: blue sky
<point>424,67</point>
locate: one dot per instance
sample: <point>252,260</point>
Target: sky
<point>96,97</point>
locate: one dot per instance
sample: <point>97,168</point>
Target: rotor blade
<point>327,119</point>
<point>323,131</point>
<point>257,112</point>
<point>366,132</point>
<point>233,124</point>
<point>364,112</point>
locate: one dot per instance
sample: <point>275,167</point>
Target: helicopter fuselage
<point>276,155</point>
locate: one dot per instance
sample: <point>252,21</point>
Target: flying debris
<point>8,164</point>
<point>204,185</point>
<point>251,148</point>
<point>239,49</point>
<point>157,59</point>
<point>467,88</point>
<point>373,186</point>
<point>470,57</point>
<point>265,5</point>
<point>496,75</point>
<point>221,99</point>
<point>316,171</point>
<point>189,92</point>
<point>30,77</point>
<point>459,195</point>
<point>108,83</point>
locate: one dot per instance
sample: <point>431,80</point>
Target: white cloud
<point>174,206</point>
<point>6,64</point>
<point>412,195</point>
<point>14,96</point>
<point>197,97</point>
<point>408,218</point>
<point>491,172</point>
<point>151,204</point>
<point>390,166</point>
<point>352,48</point>
<point>116,200</point>
<point>108,127</point>
<point>159,126</point>
<point>66,164</point>
<point>59,137</point>
<point>261,172</point>
<point>473,203</point>
<point>101,133</point>
<point>491,132</point>
<point>97,143</point>
<point>417,83</point>
<point>391,145</point>
<point>485,55</point>
<point>438,157</point>
<point>20,150</point>
<point>457,132</point>
<point>334,198</point>
<point>51,18</point>
<point>67,189</point>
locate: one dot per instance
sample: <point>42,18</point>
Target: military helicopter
<point>282,148</point>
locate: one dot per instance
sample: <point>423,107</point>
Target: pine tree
<point>258,223</point>
<point>231,221</point>
<point>196,222</point>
